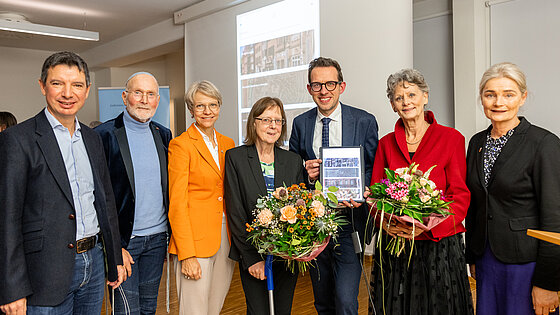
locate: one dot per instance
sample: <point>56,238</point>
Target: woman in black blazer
<point>250,171</point>
<point>514,181</point>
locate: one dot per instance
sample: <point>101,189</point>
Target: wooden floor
<point>235,300</point>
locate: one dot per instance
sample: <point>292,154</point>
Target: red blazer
<point>441,146</point>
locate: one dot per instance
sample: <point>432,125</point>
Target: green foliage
<point>293,223</point>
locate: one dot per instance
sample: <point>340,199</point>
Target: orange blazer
<point>196,190</point>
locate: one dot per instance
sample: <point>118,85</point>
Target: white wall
<point>470,60</point>
<point>370,39</point>
<point>433,56</point>
<point>21,95</point>
<point>536,55</point>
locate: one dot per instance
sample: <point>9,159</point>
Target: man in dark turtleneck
<point>136,151</point>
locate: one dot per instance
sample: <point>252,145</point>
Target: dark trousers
<point>256,292</point>
<point>336,280</point>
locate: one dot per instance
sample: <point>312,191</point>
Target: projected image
<point>289,87</point>
<point>275,45</point>
<point>277,53</point>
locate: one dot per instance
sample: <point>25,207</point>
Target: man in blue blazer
<point>58,232</point>
<point>136,152</point>
<point>336,279</point>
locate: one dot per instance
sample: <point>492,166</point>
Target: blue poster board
<point>111,104</point>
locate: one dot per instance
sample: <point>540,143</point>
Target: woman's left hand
<point>408,231</point>
<point>544,301</point>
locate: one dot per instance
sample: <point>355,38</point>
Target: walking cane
<point>269,282</point>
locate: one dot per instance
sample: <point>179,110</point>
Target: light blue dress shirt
<point>80,176</point>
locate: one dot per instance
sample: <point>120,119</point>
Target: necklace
<point>415,142</point>
<point>418,141</point>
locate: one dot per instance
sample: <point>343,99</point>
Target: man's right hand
<point>127,262</point>
<point>312,168</point>
<point>18,307</point>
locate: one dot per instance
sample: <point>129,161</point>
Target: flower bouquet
<point>294,223</point>
<point>407,195</point>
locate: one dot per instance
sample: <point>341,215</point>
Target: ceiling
<point>111,18</point>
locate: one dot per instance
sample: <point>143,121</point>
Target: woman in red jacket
<point>435,281</point>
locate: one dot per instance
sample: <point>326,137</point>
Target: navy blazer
<point>359,128</point>
<point>243,185</point>
<point>117,153</point>
<point>38,226</point>
<point>523,193</point>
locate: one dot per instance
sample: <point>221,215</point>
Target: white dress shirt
<point>213,150</point>
<point>335,130</point>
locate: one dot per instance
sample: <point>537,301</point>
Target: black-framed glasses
<point>329,85</point>
<point>268,121</point>
<point>138,95</point>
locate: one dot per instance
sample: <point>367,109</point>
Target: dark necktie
<point>325,140</point>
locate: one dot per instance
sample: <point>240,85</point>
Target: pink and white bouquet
<point>408,195</point>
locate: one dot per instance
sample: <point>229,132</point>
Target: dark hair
<point>324,62</point>
<point>258,108</point>
<point>64,58</point>
<point>7,119</point>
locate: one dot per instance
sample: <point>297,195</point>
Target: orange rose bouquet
<point>295,224</point>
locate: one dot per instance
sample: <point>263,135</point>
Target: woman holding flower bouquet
<point>430,277</point>
<point>252,170</point>
<point>515,183</point>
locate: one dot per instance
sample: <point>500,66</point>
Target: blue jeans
<point>336,280</point>
<point>85,295</point>
<point>138,294</point>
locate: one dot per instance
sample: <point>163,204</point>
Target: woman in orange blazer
<point>200,242</point>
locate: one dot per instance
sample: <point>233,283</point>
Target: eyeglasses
<point>201,107</point>
<point>139,95</point>
<point>269,121</point>
<point>329,85</point>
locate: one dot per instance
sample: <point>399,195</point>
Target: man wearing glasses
<point>136,153</point>
<point>337,276</point>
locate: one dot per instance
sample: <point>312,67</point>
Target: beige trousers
<point>206,296</point>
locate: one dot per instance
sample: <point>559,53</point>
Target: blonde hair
<point>504,70</point>
<point>205,87</point>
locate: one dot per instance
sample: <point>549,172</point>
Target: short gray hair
<point>205,87</point>
<point>504,70</point>
<point>411,76</point>
<point>141,72</point>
